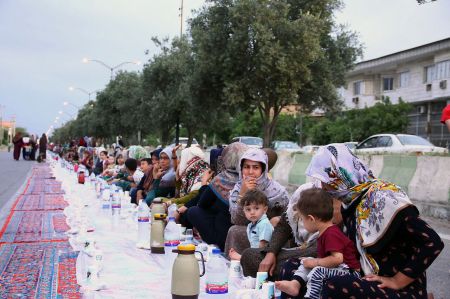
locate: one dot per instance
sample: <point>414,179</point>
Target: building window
<point>358,88</point>
<point>404,79</point>
<point>429,73</point>
<point>442,70</point>
<point>388,83</point>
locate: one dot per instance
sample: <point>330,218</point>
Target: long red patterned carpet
<point>36,260</point>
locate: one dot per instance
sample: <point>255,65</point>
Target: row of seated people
<point>384,252</point>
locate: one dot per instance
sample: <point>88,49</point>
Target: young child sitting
<point>336,254</point>
<point>259,230</point>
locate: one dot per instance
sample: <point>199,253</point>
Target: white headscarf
<point>168,179</point>
<point>301,235</point>
<point>276,193</point>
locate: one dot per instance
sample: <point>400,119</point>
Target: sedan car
<point>285,146</point>
<point>351,145</point>
<point>397,143</point>
<point>310,149</point>
<point>253,142</point>
<point>183,141</point>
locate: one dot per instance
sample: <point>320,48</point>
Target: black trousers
<point>213,227</point>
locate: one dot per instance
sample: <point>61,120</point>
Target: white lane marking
<point>444,236</point>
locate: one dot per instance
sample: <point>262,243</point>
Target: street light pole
<point>71,104</point>
<point>71,88</point>
<point>111,68</point>
<point>71,115</point>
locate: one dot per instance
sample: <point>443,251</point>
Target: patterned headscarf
<point>276,193</point>
<point>168,179</point>
<point>191,169</point>
<point>380,201</point>
<point>228,176</point>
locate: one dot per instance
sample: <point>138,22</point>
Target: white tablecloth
<point>127,272</point>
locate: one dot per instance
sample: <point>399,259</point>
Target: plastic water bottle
<point>87,178</point>
<point>216,274</point>
<point>171,233</point>
<point>143,225</point>
<point>171,210</point>
<point>189,234</point>
<point>93,180</point>
<point>100,188</point>
<point>106,199</point>
<point>115,204</point>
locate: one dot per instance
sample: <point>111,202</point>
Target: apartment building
<point>420,76</point>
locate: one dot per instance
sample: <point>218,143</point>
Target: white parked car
<point>351,145</point>
<point>288,146</point>
<point>253,142</point>
<point>397,143</point>
<point>310,149</point>
<point>183,141</point>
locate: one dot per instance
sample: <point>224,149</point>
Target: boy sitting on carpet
<point>336,254</point>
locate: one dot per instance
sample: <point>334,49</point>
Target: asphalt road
<point>438,275</point>
<point>13,175</point>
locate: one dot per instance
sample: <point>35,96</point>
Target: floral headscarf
<point>228,176</point>
<point>276,193</point>
<point>138,152</point>
<point>379,201</point>
<point>191,169</point>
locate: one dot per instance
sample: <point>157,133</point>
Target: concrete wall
<point>426,179</point>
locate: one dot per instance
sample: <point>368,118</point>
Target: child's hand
<point>310,263</point>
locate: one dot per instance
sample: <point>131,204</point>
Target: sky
<point>43,42</point>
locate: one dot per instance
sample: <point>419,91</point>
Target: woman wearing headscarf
<point>209,211</point>
<point>87,160</point>
<point>395,245</point>
<point>254,174</point>
<point>163,177</point>
<point>190,171</point>
<point>17,140</point>
<point>146,183</point>
<point>43,147</point>
<point>273,257</point>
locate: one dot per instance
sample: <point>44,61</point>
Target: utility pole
<point>13,125</point>
<point>181,17</point>
<point>177,129</point>
<point>1,123</point>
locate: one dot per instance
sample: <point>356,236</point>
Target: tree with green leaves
<point>115,106</point>
<point>358,124</point>
<point>269,54</point>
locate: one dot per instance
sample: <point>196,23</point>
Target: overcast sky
<point>42,43</point>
